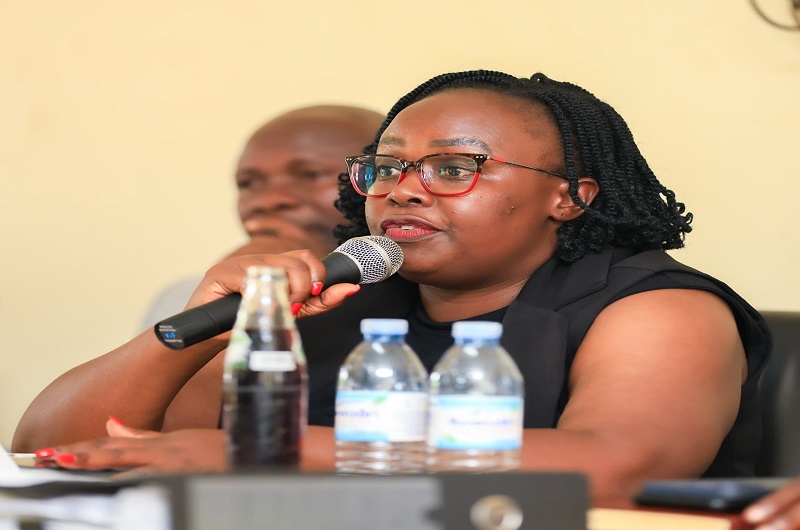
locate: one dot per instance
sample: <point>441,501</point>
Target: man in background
<point>287,182</point>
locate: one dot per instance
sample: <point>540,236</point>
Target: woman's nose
<point>409,189</point>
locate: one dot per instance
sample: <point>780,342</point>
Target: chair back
<point>779,390</point>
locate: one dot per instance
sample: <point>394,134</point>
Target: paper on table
<point>77,501</point>
<point>132,508</point>
<point>622,519</point>
<point>14,476</point>
<point>7,464</point>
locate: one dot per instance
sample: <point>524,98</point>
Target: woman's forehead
<point>466,115</point>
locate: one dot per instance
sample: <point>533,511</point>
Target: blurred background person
<point>287,182</point>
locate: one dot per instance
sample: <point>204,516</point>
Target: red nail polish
<point>354,291</point>
<point>316,288</point>
<point>65,458</point>
<point>45,453</point>
<point>295,308</point>
<point>115,420</point>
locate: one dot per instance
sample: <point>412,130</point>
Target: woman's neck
<point>447,305</point>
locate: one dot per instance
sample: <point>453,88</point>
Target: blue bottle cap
<point>477,329</point>
<point>384,326</point>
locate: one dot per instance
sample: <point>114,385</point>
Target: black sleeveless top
<point>430,339</point>
<point>542,330</point>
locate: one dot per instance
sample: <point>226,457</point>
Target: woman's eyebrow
<point>392,140</point>
<point>455,142</point>
<point>444,142</point>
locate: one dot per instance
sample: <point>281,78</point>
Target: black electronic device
<point>722,495</point>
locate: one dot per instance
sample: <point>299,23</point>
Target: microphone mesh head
<point>379,257</point>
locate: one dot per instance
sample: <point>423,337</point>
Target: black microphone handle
<point>199,323</point>
<point>209,320</point>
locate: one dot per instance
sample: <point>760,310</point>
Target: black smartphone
<point>721,495</point>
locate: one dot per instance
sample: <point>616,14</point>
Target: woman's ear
<point>566,209</point>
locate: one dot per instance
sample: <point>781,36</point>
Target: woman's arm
<point>135,382</point>
<point>654,389</point>
<point>139,381</point>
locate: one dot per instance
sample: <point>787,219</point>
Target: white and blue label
<point>380,416</point>
<point>463,422</point>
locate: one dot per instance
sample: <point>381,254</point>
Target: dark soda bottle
<point>265,384</point>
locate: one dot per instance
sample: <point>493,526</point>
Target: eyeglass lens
<point>378,175</point>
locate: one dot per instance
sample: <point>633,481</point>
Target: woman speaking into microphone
<point>520,200</point>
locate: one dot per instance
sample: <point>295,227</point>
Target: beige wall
<point>121,123</point>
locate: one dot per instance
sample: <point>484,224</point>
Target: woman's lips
<point>407,231</point>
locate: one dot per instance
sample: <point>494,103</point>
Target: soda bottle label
<point>272,361</point>
<point>380,416</point>
<point>464,422</point>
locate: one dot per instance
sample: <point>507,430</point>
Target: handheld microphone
<point>365,259</point>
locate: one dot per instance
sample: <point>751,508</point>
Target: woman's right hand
<point>305,273</point>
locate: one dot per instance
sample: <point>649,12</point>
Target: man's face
<point>288,173</point>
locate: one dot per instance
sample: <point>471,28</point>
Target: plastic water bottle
<point>265,383</point>
<point>381,403</point>
<point>476,403</point>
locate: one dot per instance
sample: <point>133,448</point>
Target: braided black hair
<point>633,209</point>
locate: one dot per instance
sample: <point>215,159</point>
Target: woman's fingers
<point>302,267</point>
<point>115,427</point>
<point>190,450</point>
<point>332,297</point>
<point>102,453</point>
<point>305,274</point>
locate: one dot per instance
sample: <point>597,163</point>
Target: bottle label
<point>464,422</point>
<point>272,361</point>
<point>380,416</point>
